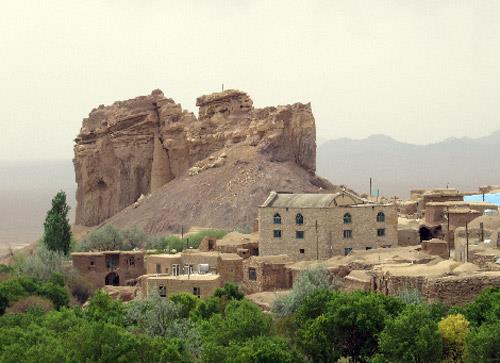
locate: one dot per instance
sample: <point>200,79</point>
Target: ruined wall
<point>133,147</point>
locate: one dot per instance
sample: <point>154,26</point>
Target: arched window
<point>299,219</point>
<point>380,217</point>
<point>277,218</point>
<point>347,218</point>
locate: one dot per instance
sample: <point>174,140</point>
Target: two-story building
<point>319,226</point>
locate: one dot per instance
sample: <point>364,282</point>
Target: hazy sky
<point>419,71</point>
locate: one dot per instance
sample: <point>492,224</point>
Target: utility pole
<point>370,186</point>
<point>223,87</point>
<point>467,242</point>
<point>317,241</point>
<point>448,231</point>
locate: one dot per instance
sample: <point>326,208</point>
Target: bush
<point>483,344</point>
<point>55,293</point>
<point>109,238</point>
<point>229,292</point>
<point>453,330</point>
<point>193,240</point>
<point>308,281</point>
<point>42,264</point>
<point>30,303</point>
<point>81,289</point>
<point>411,337</point>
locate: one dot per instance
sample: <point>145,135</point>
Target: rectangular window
<point>162,290</point>
<point>277,233</point>
<point>175,270</point>
<point>368,248</point>
<point>131,261</point>
<point>381,232</point>
<point>196,291</point>
<point>188,269</point>
<point>301,251</point>
<point>158,268</point>
<point>347,233</point>
<point>347,251</point>
<point>252,274</point>
<point>299,234</point>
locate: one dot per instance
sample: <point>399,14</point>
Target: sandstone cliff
<point>229,157</point>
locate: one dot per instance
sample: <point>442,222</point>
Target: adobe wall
<point>269,276</point>
<point>453,290</point>
<point>436,247</point>
<point>176,285</point>
<point>460,219</point>
<point>165,261</point>
<point>408,237</point>
<point>230,270</point>
<point>92,266</point>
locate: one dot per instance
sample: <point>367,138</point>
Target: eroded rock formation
<point>135,147</point>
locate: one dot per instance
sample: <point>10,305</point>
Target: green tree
<point>453,329</point>
<point>185,302</point>
<point>241,321</point>
<point>348,326</point>
<point>57,231</point>
<point>103,307</point>
<point>264,350</point>
<point>483,344</point>
<point>485,307</point>
<point>411,337</point>
<point>229,291</point>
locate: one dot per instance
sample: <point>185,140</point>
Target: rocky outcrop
<point>136,147</point>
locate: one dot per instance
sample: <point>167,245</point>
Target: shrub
<point>411,337</point>
<point>81,289</point>
<point>109,238</point>
<point>483,344</point>
<point>55,293</point>
<point>42,264</point>
<point>5,269</point>
<point>29,303</point>
<point>453,330</point>
<point>229,292</point>
<point>308,281</point>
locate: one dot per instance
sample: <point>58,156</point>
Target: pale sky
<point>419,71</point>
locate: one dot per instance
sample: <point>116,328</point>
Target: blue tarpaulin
<point>488,198</point>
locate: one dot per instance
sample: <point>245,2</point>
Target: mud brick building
<point>165,285</point>
<point>109,267</point>
<point>319,226</point>
<point>266,273</point>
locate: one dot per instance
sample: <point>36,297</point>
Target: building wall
<point>230,270</point>
<point>93,266</point>
<point>270,276</point>
<point>323,230</point>
<point>165,262</point>
<point>176,285</point>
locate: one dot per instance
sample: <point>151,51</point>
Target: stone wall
<point>323,230</point>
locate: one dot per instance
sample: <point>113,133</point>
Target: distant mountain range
<point>397,167</point>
